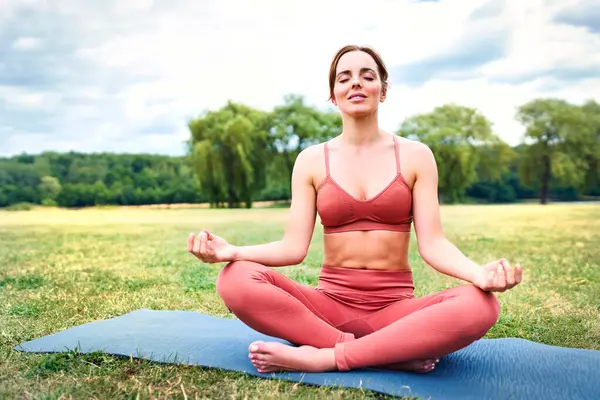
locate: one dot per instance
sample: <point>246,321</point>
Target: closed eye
<point>369,78</point>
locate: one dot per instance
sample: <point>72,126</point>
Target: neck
<point>360,131</point>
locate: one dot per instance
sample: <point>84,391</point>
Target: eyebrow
<point>362,70</point>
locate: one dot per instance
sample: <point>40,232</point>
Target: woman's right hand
<point>210,248</point>
<point>498,276</point>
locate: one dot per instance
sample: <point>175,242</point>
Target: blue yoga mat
<point>488,369</point>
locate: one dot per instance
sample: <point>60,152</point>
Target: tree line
<point>79,180</point>
<point>238,155</point>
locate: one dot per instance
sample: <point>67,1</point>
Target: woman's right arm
<point>293,247</point>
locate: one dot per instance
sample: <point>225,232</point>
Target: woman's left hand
<point>498,276</point>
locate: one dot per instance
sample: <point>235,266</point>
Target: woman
<point>368,187</point>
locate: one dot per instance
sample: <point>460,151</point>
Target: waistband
<point>366,288</point>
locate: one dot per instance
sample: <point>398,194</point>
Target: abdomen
<point>367,249</point>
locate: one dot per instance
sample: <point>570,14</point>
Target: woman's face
<point>358,88</point>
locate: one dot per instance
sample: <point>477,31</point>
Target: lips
<point>357,96</point>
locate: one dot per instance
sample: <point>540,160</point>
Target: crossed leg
<point>410,334</point>
<point>273,304</point>
<point>421,328</point>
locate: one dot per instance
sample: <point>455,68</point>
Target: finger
<point>510,274</point>
<point>210,250</point>
<point>190,242</point>
<point>518,273</point>
<point>202,238</point>
<point>197,244</point>
<point>209,235</point>
<point>500,282</point>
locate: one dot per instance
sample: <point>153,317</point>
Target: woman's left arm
<point>438,251</point>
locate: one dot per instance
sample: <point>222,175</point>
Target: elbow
<point>428,249</point>
<point>425,253</point>
<point>295,253</point>
<point>296,257</point>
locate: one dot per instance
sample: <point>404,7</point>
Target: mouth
<point>357,96</point>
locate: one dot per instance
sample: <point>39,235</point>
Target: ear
<point>333,100</point>
<point>383,94</point>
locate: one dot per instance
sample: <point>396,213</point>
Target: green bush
<point>22,206</point>
<point>49,203</point>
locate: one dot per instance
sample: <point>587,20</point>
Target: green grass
<point>59,269</point>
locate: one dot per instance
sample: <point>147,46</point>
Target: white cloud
<point>497,101</point>
<point>538,44</point>
<point>131,7</point>
<point>27,98</point>
<point>26,43</point>
<point>146,67</point>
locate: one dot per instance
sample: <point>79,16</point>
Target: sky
<point>127,76</point>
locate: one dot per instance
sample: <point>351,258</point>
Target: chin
<point>358,110</point>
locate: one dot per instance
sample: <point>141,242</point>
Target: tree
<point>591,144</point>
<point>49,189</point>
<point>230,149</point>
<point>555,140</point>
<point>297,126</point>
<point>66,179</point>
<point>465,148</point>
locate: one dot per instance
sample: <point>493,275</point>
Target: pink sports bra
<point>390,209</point>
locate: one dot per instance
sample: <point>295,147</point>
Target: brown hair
<point>383,73</point>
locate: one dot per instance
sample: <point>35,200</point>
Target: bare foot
<point>418,366</point>
<point>275,356</point>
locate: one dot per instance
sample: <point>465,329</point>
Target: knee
<point>483,304</point>
<point>231,277</point>
<point>233,280</point>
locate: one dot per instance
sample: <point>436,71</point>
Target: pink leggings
<point>369,317</point>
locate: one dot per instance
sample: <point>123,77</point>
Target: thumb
<point>190,242</point>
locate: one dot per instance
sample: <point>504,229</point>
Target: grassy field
<point>59,269</point>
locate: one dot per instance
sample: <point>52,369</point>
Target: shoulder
<point>418,152</point>
<point>420,160</point>
<point>307,162</point>
<point>311,154</point>
<point>414,147</point>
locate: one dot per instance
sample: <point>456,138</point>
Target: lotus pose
<point>368,187</point>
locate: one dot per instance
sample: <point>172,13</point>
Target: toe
<point>255,346</point>
<point>428,367</point>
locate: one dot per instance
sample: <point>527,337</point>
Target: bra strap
<point>326,159</point>
<point>396,154</point>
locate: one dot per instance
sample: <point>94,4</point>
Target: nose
<point>355,81</point>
